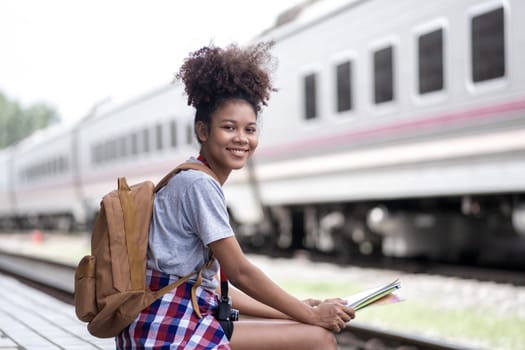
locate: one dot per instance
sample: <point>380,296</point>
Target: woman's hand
<point>312,302</point>
<point>316,302</point>
<point>333,314</point>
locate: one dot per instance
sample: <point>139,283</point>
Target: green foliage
<point>17,122</point>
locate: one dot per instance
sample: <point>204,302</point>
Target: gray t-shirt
<point>189,213</point>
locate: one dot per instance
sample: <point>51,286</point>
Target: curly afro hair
<point>212,75</point>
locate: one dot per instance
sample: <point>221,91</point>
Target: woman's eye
<point>251,130</point>
<point>228,127</point>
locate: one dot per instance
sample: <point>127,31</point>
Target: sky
<point>72,54</point>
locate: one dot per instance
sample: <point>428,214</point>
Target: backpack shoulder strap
<point>185,166</point>
<point>170,287</point>
<point>181,280</point>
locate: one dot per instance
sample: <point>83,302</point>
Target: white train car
<point>403,118</point>
<point>399,126</point>
<point>142,139</point>
<point>43,180</point>
<point>5,188</point>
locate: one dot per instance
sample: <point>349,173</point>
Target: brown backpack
<point>110,284</point>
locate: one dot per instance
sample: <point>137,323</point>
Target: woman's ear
<point>201,129</point>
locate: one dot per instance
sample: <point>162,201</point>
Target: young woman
<point>228,87</point>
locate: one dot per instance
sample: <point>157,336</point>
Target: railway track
<point>497,274</point>
<point>57,279</point>
<point>53,278</point>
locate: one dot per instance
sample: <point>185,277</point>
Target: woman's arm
<point>252,281</point>
<point>248,306</point>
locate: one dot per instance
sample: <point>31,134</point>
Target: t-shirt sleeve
<point>205,208</point>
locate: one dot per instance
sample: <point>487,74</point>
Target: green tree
<point>17,122</point>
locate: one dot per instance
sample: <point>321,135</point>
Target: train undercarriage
<point>61,222</point>
<point>486,230</point>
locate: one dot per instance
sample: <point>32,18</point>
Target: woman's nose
<point>241,138</point>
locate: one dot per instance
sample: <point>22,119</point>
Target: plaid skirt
<point>171,323</point>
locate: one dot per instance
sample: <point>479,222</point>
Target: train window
<point>134,142</point>
<point>344,86</point>
<point>159,141</point>
<point>40,170</point>
<point>173,133</point>
<point>108,151</point>
<point>115,148</point>
<point>63,164</point>
<point>112,150</point>
<point>47,168</point>
<point>94,154</point>
<point>104,152</point>
<point>122,147</point>
<point>99,153</point>
<point>430,65</point>
<point>310,96</point>
<point>488,45</point>
<point>53,166</point>
<point>383,75</point>
<point>35,171</point>
<point>110,154</point>
<point>60,165</point>
<point>189,134</point>
<point>145,140</point>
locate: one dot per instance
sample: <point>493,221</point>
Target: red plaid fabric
<point>171,323</point>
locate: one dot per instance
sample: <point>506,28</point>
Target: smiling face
<point>230,139</point>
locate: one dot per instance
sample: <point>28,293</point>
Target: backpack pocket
<point>85,295</point>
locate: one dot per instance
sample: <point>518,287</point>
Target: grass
<point>464,325</point>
